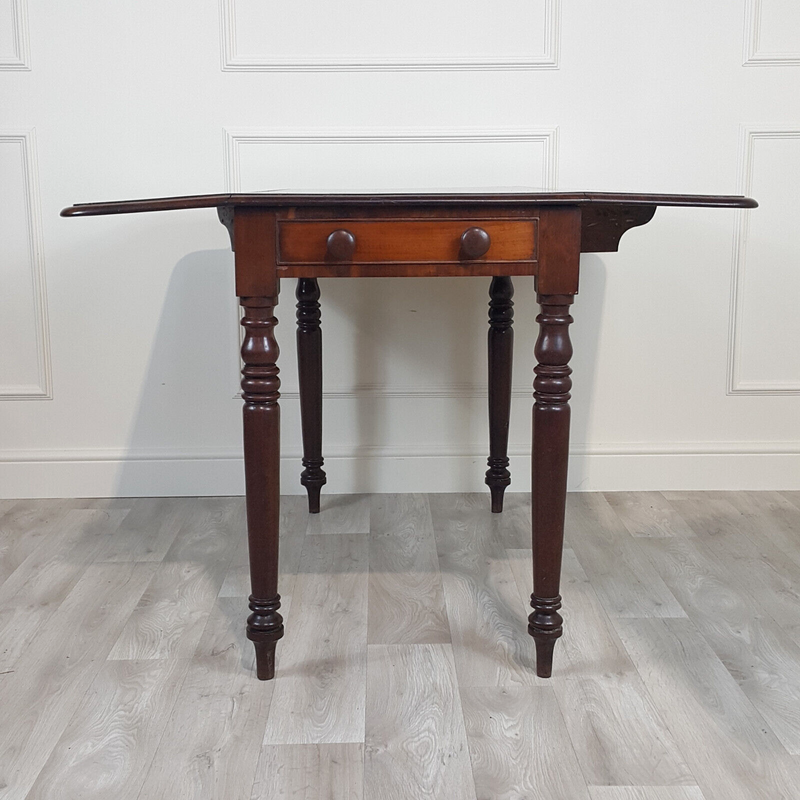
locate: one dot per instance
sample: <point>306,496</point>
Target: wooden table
<point>500,235</point>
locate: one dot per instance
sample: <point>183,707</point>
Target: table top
<point>448,198</point>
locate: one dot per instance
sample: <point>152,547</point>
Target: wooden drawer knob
<point>475,242</point>
<point>341,245</point>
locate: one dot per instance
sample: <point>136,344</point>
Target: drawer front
<point>428,241</point>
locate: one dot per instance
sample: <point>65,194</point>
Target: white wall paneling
<point>24,339</point>
<point>764,357</point>
<point>686,373</point>
<point>389,159</point>
<point>772,33</point>
<point>13,35</point>
<point>403,35</point>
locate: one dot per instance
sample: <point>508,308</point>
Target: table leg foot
<point>265,660</point>
<point>264,628</point>
<point>544,624</point>
<point>313,497</point>
<point>501,354</point>
<point>497,498</point>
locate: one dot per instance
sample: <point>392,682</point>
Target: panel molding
<point>43,389</point>
<point>20,58</point>
<point>737,384</point>
<point>233,62</point>
<point>754,56</point>
<point>234,139</point>
<point>548,137</point>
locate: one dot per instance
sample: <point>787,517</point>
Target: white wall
<point>118,335</point>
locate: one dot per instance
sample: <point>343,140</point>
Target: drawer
<point>412,241</point>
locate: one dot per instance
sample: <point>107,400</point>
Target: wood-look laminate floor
<point>406,670</point>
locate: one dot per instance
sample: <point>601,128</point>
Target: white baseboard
<point>623,467</point>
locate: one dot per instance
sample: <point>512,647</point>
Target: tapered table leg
<point>551,415</point>
<point>309,362</point>
<point>501,354</point>
<point>260,385</point>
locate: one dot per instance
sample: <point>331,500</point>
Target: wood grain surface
<point>406,598</point>
<point>320,688</point>
<point>406,670</point>
<point>415,733</point>
<point>519,745</point>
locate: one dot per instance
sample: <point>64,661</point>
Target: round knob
<point>475,242</point>
<point>341,245</point>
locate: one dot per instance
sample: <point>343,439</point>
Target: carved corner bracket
<point>602,226</point>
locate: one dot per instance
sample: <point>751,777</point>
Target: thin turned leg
<point>260,385</point>
<point>309,363</point>
<point>551,415</point>
<point>501,356</point>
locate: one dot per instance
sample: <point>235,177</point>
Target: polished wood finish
<point>475,242</point>
<point>501,353</point>
<point>389,201</point>
<point>261,418</point>
<point>405,241</point>
<point>422,235</point>
<point>602,226</point>
<point>551,414</point>
<point>309,363</point>
<point>340,245</point>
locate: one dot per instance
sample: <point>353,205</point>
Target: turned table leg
<point>309,362</point>
<point>260,385</point>
<point>551,415</point>
<point>501,353</point>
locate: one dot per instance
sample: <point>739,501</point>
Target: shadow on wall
<point>404,363</point>
<point>186,436</point>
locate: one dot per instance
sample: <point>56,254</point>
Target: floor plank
<point>730,750</point>
<point>212,740</point>
<point>172,613</point>
<point>340,514</point>
<point>25,527</point>
<point>33,592</point>
<point>769,516</point>
<point>416,743</point>
<point>760,656</point>
<point>616,730</point>
<point>106,749</point>
<point>149,529</point>
<point>310,772</point>
<point>519,745</point>
<point>621,574</point>
<point>320,685</point>
<point>645,793</point>
<point>648,514</point>
<point>488,624</point>
<point>406,599</point>
<point>46,686</point>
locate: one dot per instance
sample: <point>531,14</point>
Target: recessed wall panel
<point>773,32</point>
<point>766,324</point>
<point>13,35</point>
<point>408,34</point>
<point>389,160</point>
<point>24,367</point>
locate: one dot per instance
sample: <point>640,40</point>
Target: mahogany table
<point>307,236</point>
